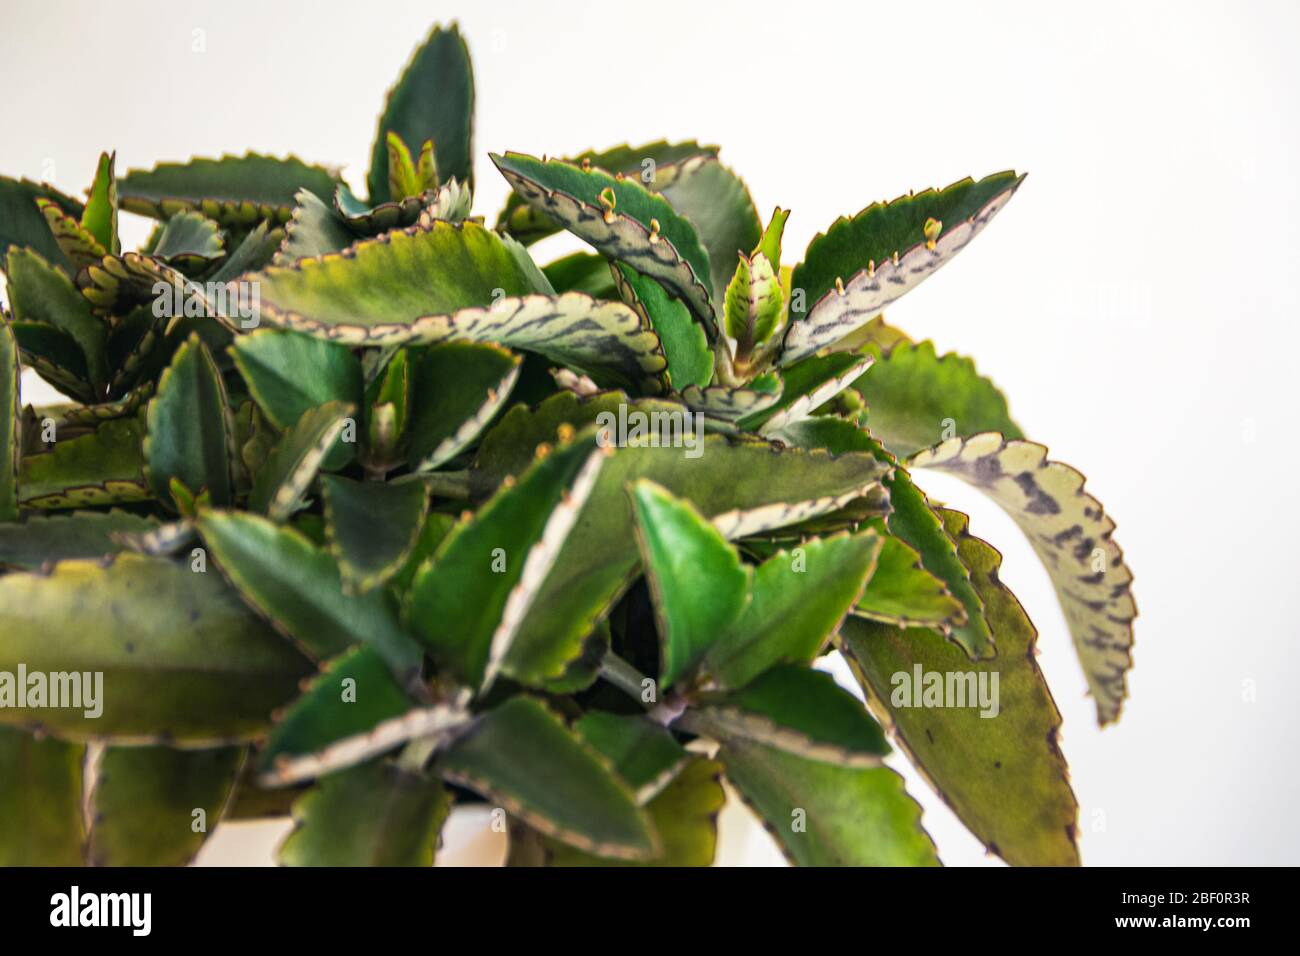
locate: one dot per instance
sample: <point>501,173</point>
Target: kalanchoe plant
<point>356,512</point>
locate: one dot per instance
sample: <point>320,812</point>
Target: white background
<point>1137,301</point>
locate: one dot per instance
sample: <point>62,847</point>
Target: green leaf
<point>1072,535</point>
<point>826,815</point>
<point>467,604</point>
<point>508,447</point>
<point>40,800</point>
<point>806,386</point>
<point>55,357</point>
<point>900,591</point>
<point>733,404</point>
<point>458,388</point>
<point>770,244</point>
<point>373,527</point>
<point>11,426</point>
<point>1003,775</point>
<point>181,657</point>
<point>352,711</point>
<point>373,814</point>
<point>918,399</point>
<point>79,246</point>
<point>237,191</point>
<point>190,240</point>
<point>881,253</point>
<point>189,429</point>
<point>655,165</point>
<point>38,539</point>
<point>684,815</point>
<point>23,225</point>
<point>582,272</point>
<point>102,467</point>
<point>145,803</point>
<point>617,217</point>
<point>715,201</point>
<point>297,588</point>
<point>686,347</point>
<point>433,100</point>
<point>797,602</point>
<point>753,303</point>
<point>798,710</point>
<point>293,463</point>
<point>100,216</point>
<point>315,229</point>
<point>403,180</point>
<point>641,751</point>
<point>696,579</point>
<point>523,757</point>
<point>40,293</point>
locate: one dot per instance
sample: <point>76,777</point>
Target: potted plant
<point>357,512</point>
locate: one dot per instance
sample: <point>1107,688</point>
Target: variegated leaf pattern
<point>1072,534</point>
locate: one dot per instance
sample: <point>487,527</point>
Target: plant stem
<point>448,484</point>
<point>622,674</point>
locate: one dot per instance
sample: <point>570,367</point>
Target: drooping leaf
<point>21,222</point>
<point>797,602</point>
<point>29,544</point>
<point>994,757</point>
<point>523,757</point>
<point>1072,535</point>
<point>686,347</point>
<point>372,526</point>
<point>621,219</point>
<point>798,710</point>
<point>237,191</point>
<point>697,581</point>
<point>917,399</point>
<point>881,253</point>
<point>190,240</point>
<point>293,463</point>
<point>468,603</point>
<point>155,806</point>
<point>433,100</point>
<point>11,426</point>
<point>641,751</point>
<point>189,429</point>
<point>181,657</point>
<point>458,388</point>
<point>102,467</point>
<point>40,800</point>
<point>373,814</point>
<point>40,293</point>
<point>827,815</point>
<point>100,216</point>
<point>297,588</point>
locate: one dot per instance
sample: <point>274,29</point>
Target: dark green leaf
<point>458,388</point>
<point>40,293</point>
<point>21,222</point>
<point>189,428</point>
<point>190,240</point>
<point>80,534</point>
<point>11,426</point>
<point>315,229</point>
<point>686,347</point>
<point>642,752</point>
<point>581,272</point>
<point>102,467</point>
<point>293,463</point>
<point>373,527</point>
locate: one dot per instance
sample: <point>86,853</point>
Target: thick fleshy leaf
<point>621,219</point>
<point>753,303</point>
<point>155,806</point>
<point>917,399</point>
<point>797,602</point>
<point>352,711</point>
<point>234,190</point>
<point>315,229</point>
<point>684,816</point>
<point>29,544</point>
<point>373,527</point>
<point>296,587</point>
<point>182,659</point>
<point>40,293</point>
<point>861,265</point>
<point>468,603</point>
<point>715,201</point>
<point>523,757</point>
<point>641,751</point>
<point>655,165</point>
<point>100,216</point>
<point>807,386</point>
<point>826,815</point>
<point>1071,533</point>
<point>799,710</point>
<point>458,388</point>
<point>102,467</point>
<point>433,100</point>
<point>11,425</point>
<point>733,404</point>
<point>78,245</point>
<point>696,579</point>
<point>190,240</point>
<point>581,272</point>
<point>56,357</point>
<point>686,347</point>
<point>292,465</point>
<point>40,800</point>
<point>21,222</point>
<point>991,751</point>
<point>374,814</point>
<point>900,591</point>
<point>189,429</point>
<point>509,446</point>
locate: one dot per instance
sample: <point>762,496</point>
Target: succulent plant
<point>357,513</point>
